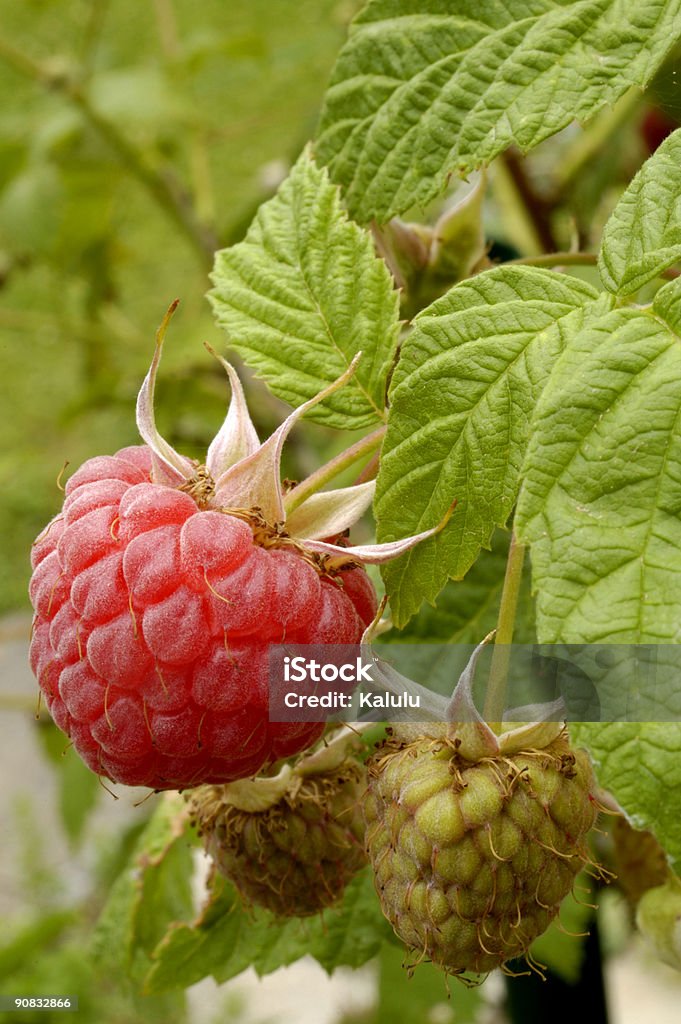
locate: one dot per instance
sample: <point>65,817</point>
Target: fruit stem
<point>332,468</point>
<point>495,697</point>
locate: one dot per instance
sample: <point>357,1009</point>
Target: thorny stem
<point>495,697</point>
<point>166,191</point>
<point>332,468</point>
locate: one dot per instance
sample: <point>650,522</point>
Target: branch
<point>167,192</point>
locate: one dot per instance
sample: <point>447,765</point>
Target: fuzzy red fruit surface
<point>152,625</point>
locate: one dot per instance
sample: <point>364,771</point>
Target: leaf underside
<point>228,938</point>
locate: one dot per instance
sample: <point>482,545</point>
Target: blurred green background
<point>135,138</point>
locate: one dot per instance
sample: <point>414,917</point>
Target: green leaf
<point>33,940</point>
<point>166,894</point>
<point>151,891</point>
<point>190,952</point>
<point>667,305</point>
<point>466,610</point>
<point>601,498</point>
<point>303,293</point>
<point>228,938</point>
<point>643,236</point>
<point>424,88</point>
<point>353,933</point>
<point>640,764</point>
<point>463,392</point>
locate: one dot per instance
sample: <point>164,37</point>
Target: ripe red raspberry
<point>153,620</point>
<point>160,586</point>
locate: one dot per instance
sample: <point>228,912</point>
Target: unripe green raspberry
<point>658,917</point>
<point>472,859</point>
<point>639,860</point>
<point>297,855</point>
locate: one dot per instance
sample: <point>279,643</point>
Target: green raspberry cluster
<point>639,860</point>
<point>473,859</point>
<point>296,856</point>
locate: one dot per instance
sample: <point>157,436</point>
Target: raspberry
<point>153,620</point>
<point>296,856</point>
<point>161,585</point>
<point>640,862</point>
<point>473,858</point>
<point>658,917</point>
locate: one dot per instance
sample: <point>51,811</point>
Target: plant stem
<point>555,259</point>
<point>167,28</point>
<point>169,194</point>
<point>496,688</point>
<point>592,140</point>
<point>538,209</point>
<point>332,468</point>
<point>564,259</point>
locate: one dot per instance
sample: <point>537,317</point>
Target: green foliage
<point>462,396</point>
<point>229,937</point>
<point>46,947</point>
<point>152,891</point>
<point>601,497</point>
<point>638,762</point>
<point>466,610</point>
<point>134,139</point>
<point>422,89</point>
<point>421,997</point>
<point>643,236</point>
<point>303,293</point>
